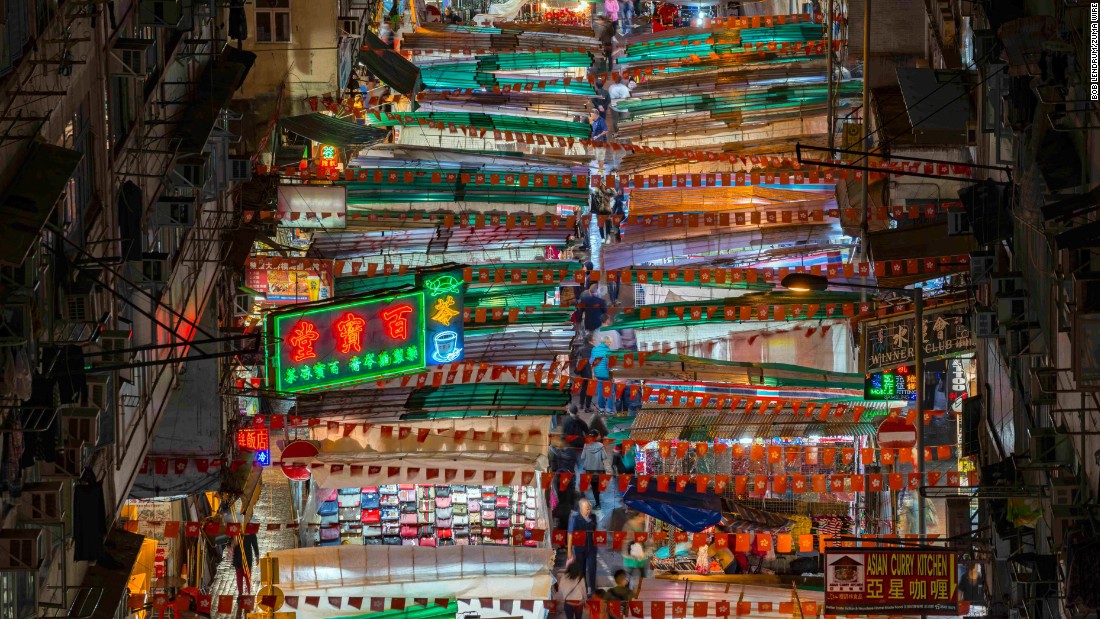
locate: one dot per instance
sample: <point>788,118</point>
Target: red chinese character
<point>349,333</point>
<point>301,339</point>
<point>397,325</point>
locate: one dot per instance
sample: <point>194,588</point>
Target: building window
<point>273,21</point>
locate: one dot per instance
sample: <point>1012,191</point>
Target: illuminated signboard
<point>263,458</point>
<point>883,582</point>
<point>443,294</point>
<point>346,343</point>
<point>896,384</point>
<point>253,439</point>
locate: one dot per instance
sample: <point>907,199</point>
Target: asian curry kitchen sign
<point>891,342</point>
<point>890,581</point>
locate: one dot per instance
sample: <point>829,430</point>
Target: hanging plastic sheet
<point>687,510</point>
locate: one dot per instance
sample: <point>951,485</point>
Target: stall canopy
<point>411,572</point>
<point>687,510</point>
<point>525,435</point>
<point>368,469</point>
<point>390,67</point>
<point>331,130</point>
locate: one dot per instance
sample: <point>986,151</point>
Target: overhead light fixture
<point>805,282</point>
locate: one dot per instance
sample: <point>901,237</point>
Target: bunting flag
<point>558,538</point>
<point>718,277</point>
<point>650,609</point>
<point>799,484</point>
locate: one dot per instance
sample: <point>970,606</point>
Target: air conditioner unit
<point>981,265</point>
<point>1008,284</point>
<point>1063,520</point>
<point>242,304</point>
<point>1011,309</point>
<point>98,391</point>
<point>112,345</point>
<point>1044,385</point>
<point>985,323</point>
<point>1064,490</point>
<point>21,550</point>
<point>240,169</point>
<point>1018,340</point>
<point>81,307</point>
<point>958,223</point>
<point>42,501</point>
<point>1050,449</point>
<point>349,26</point>
<point>190,173</point>
<point>175,211</point>
<point>80,424</point>
<point>68,463</point>
<point>160,13</point>
<point>15,322</point>
<point>154,268</point>
<point>128,57</point>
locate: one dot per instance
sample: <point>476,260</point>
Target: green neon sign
<point>346,343</point>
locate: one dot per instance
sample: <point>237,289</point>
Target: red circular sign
<point>896,433</point>
<point>295,450</point>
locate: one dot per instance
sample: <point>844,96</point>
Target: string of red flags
<point>651,609</point>
<point>761,484</point>
<point>783,543</point>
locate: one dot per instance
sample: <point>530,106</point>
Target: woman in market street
<point>572,589</point>
<point>635,554</point>
<point>583,554</point>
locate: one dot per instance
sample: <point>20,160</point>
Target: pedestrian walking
<point>585,553</point>
<point>572,589</point>
<point>595,462</point>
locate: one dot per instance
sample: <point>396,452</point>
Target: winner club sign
<point>333,345</point>
<point>890,581</point>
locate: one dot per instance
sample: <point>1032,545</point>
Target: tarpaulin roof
<point>751,300</point>
<point>390,67</point>
<point>687,368</point>
<point>446,401</point>
<point>687,509</point>
<point>331,130</point>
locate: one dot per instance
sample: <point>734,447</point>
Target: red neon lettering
<point>349,333</point>
<point>301,340</point>
<point>397,325</point>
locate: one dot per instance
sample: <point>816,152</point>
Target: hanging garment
<point>90,528</point>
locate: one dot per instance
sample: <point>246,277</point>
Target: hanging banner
<point>890,581</point>
<point>313,206</point>
<point>890,342</point>
<point>285,281</point>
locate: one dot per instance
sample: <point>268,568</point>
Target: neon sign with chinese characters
<point>444,311</point>
<point>897,384</point>
<point>346,343</point>
<point>253,439</point>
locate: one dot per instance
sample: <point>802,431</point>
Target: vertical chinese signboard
<point>890,581</point>
<point>443,294</point>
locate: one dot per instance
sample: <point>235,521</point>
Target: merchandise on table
<point>425,515</point>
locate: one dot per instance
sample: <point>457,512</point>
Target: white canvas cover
<point>499,572</point>
<point>369,469</point>
<point>528,435</point>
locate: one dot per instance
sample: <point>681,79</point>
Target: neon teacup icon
<point>446,349</point>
